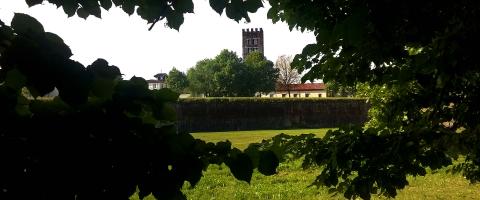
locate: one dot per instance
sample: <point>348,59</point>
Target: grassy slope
<point>292,182</point>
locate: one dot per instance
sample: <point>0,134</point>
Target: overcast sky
<point>125,41</point>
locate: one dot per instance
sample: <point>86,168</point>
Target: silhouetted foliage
<point>102,136</point>
<point>419,52</point>
<point>417,58</point>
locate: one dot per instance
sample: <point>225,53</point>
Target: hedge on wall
<point>228,114</point>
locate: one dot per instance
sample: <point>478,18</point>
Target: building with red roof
<point>304,90</point>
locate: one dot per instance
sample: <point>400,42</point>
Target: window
<point>307,95</point>
<point>319,95</point>
<point>255,41</point>
<point>154,86</point>
<point>284,95</point>
<point>271,95</point>
<point>248,41</point>
<point>295,95</point>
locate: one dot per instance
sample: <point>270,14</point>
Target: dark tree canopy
<point>102,136</point>
<point>153,11</point>
<point>419,54</point>
<point>227,75</point>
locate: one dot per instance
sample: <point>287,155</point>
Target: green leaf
<point>174,19</point>
<point>139,81</point>
<point>273,14</point>
<point>23,24</point>
<point>101,68</point>
<point>184,6</point>
<point>70,7</point>
<point>241,167</point>
<point>82,13</point>
<point>22,108</point>
<point>253,5</point>
<point>218,5</point>
<point>310,49</point>
<point>31,3</point>
<point>128,6</point>
<point>15,79</point>
<point>106,4</point>
<point>268,163</point>
<point>118,2</point>
<point>236,10</point>
<point>190,169</point>
<point>94,9</point>
<point>57,45</point>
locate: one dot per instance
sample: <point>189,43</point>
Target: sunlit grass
<point>292,182</point>
<point>241,139</point>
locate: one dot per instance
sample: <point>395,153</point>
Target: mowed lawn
<point>292,182</point>
<point>241,139</point>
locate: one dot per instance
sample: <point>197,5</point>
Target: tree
<point>102,137</point>
<point>419,53</point>
<point>336,90</point>
<point>228,75</point>
<point>263,74</point>
<point>177,81</point>
<point>287,74</point>
<point>200,78</point>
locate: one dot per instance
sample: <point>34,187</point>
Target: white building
<point>159,83</point>
<point>306,90</point>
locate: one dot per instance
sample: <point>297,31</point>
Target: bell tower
<point>252,40</point>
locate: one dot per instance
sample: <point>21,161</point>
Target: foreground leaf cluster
<point>101,137</point>
<point>416,59</point>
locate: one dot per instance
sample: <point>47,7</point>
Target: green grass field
<point>292,182</point>
<point>241,139</point>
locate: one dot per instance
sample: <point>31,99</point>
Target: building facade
<point>159,83</point>
<point>306,90</point>
<point>252,40</point>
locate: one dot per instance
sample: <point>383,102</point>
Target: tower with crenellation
<point>252,40</point>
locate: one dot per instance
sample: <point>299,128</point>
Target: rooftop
<point>302,87</point>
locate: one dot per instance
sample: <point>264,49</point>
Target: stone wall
<point>230,114</point>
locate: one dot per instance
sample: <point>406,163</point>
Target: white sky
<point>125,41</point>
